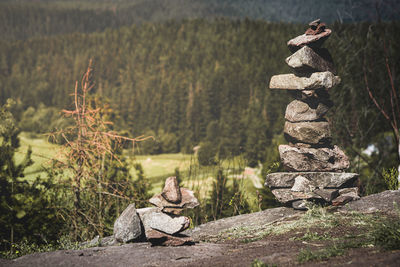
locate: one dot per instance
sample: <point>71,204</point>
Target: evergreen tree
<point>26,209</point>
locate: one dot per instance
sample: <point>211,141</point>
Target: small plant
<point>258,263</point>
<point>25,247</point>
<point>390,176</point>
<point>313,236</point>
<point>306,255</point>
<point>387,234</point>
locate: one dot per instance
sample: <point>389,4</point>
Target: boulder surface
<point>127,226</point>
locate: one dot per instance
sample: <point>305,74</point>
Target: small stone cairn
<point>160,225</point>
<point>316,167</point>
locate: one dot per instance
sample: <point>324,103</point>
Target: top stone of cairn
<point>314,36</point>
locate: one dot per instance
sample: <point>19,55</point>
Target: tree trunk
<point>398,169</point>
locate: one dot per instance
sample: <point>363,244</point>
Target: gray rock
<point>313,159</point>
<point>352,192</point>
<point>312,95</point>
<point>158,238</point>
<point>285,195</point>
<point>127,226</point>
<point>302,184</point>
<point>92,243</point>
<point>221,226</point>
<point>108,241</point>
<point>309,40</point>
<point>387,201</point>
<point>341,200</point>
<point>316,132</point>
<point>308,60</point>
<point>327,194</point>
<point>319,179</point>
<point>300,205</point>
<point>317,80</point>
<point>189,201</point>
<point>300,111</point>
<point>154,219</point>
<point>171,190</point>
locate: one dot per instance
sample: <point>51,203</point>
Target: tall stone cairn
<point>316,167</point>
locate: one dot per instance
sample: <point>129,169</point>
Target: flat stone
<point>327,194</point>
<point>311,95</point>
<point>320,180</point>
<point>386,201</point>
<point>171,190</point>
<point>300,205</point>
<point>223,226</point>
<point>285,195</point>
<point>313,159</point>
<point>156,220</point>
<point>307,60</point>
<point>313,41</point>
<point>174,211</point>
<point>127,226</point>
<point>352,192</point>
<point>316,133</point>
<point>189,201</point>
<point>157,238</point>
<point>316,80</point>
<point>310,110</point>
<point>108,241</point>
<point>341,200</point>
<point>314,22</point>
<point>302,184</point>
<point>314,30</point>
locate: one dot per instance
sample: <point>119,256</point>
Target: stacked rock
<point>162,224</point>
<point>316,167</point>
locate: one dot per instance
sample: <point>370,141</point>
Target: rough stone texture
<point>312,95</point>
<point>351,192</point>
<point>127,226</point>
<point>215,228</point>
<point>319,179</point>
<point>285,195</point>
<point>314,30</point>
<point>279,251</point>
<point>313,41</point>
<point>174,211</point>
<point>189,201</point>
<point>302,184</point>
<point>308,60</point>
<point>387,201</point>
<point>315,132</point>
<point>341,200</point>
<point>299,205</point>
<point>108,241</point>
<point>327,194</point>
<point>171,190</point>
<point>313,159</point>
<point>312,110</point>
<point>158,238</point>
<point>163,222</point>
<point>314,23</point>
<point>315,81</point>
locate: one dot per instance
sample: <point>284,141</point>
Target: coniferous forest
<point>188,77</point>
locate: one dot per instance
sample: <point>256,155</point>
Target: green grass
<point>42,152</point>
<point>156,167</point>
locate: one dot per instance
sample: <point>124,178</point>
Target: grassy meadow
<point>156,167</point>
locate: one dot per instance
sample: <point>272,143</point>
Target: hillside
<point>24,19</point>
<point>196,81</point>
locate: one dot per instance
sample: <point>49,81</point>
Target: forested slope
<point>21,19</point>
<point>201,81</point>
